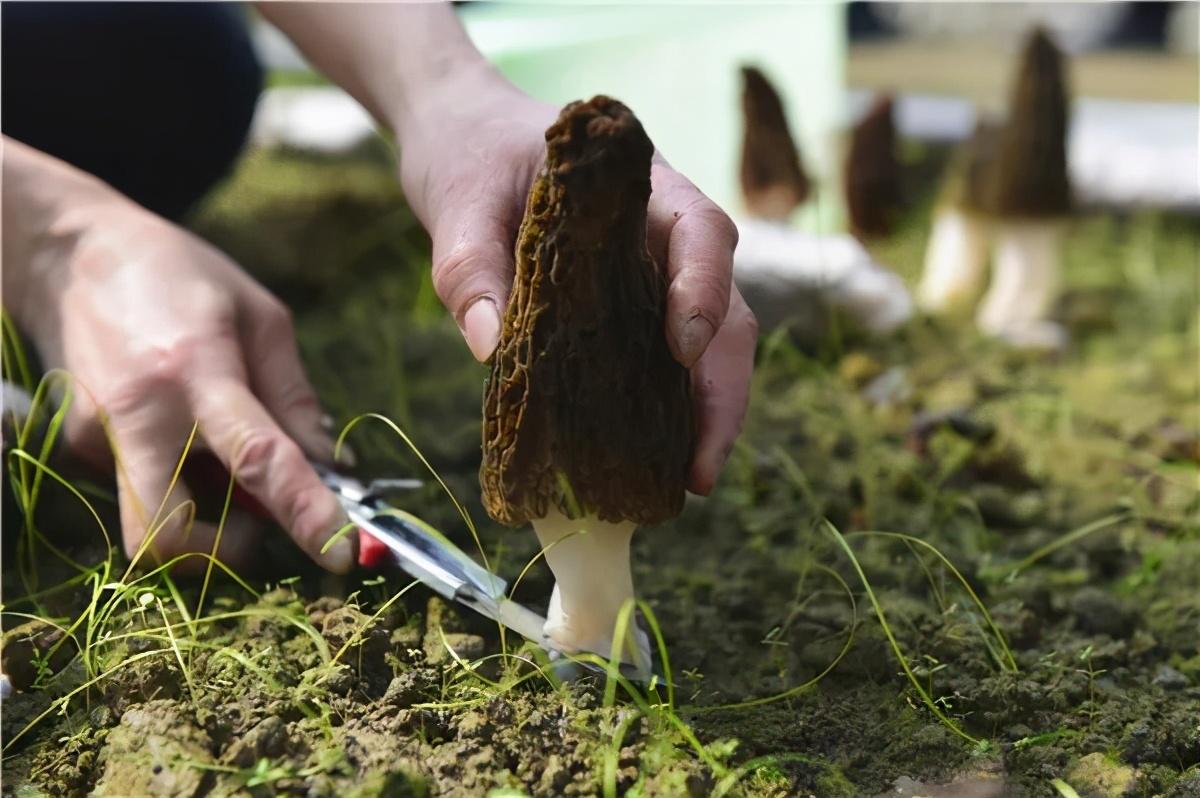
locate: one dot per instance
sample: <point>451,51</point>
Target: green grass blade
<point>1009,662</point>
<point>1066,540</point>
<point>887,630</point>
<point>1064,789</point>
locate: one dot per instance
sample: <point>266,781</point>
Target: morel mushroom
<point>587,425</point>
<point>773,180</point>
<point>957,254</point>
<point>1029,197</point>
<point>874,194</point>
<point>1014,190</point>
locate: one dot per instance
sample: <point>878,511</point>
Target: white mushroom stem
<point>590,560</point>
<point>1025,278</point>
<point>955,261</point>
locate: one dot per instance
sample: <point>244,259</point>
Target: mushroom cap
<point>773,179</point>
<point>586,411</point>
<point>1030,175</point>
<point>971,169</point>
<point>874,193</point>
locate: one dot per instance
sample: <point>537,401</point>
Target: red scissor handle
<point>373,553</point>
<point>203,470</point>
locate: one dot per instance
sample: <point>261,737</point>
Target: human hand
<point>466,164</point>
<point>470,146</point>
<point>160,330</point>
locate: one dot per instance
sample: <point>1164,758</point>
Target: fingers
<point>162,529</point>
<point>473,269</point>
<point>271,467</point>
<point>695,239</point>
<point>278,379</point>
<point>240,539</point>
<point>144,470</point>
<point>709,327</point>
<point>83,433</point>
<point>721,391</point>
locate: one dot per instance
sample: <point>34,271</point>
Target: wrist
<point>432,57</point>
<point>441,90</point>
<point>396,59</point>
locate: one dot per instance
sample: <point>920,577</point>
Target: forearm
<point>46,205</point>
<point>391,57</point>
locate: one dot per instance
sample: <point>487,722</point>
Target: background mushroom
<point>874,192</point>
<point>773,179</point>
<point>1030,198</point>
<point>1010,189</point>
<point>587,425</point>
<point>956,256</point>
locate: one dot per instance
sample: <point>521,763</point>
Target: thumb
<point>472,272</point>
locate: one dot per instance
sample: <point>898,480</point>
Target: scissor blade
<point>442,566</point>
<point>436,562</point>
<point>531,625</point>
<point>524,621</point>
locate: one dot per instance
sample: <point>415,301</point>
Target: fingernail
<point>327,422</point>
<point>319,446</point>
<point>481,328</point>
<point>346,457</point>
<point>693,339</point>
<point>340,557</point>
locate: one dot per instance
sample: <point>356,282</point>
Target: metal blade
<point>440,565</point>
<point>530,625</point>
<point>524,621</point>
<point>435,566</point>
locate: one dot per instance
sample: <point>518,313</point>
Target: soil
<point>999,460</point>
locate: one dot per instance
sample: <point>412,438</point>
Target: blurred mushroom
<point>587,428</point>
<point>774,182</point>
<point>794,278</point>
<point>1029,196</point>
<point>1010,186</point>
<point>872,173</point>
<point>957,252</point>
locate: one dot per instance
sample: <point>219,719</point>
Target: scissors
<point>390,537</point>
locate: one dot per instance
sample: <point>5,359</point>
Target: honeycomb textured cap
<point>586,411</point>
<point>874,191</point>
<point>772,176</point>
<point>971,170</point>
<point>1029,178</point>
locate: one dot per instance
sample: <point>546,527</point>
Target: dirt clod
<point>409,688</point>
<point>154,752</point>
<point>268,739</point>
<point>1097,776</point>
<point>1100,612</point>
<point>34,650</point>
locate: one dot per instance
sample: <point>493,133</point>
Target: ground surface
<point>1064,490</point>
